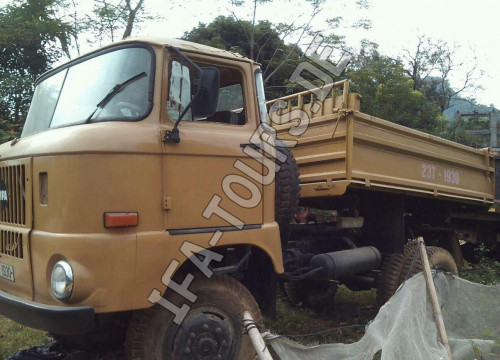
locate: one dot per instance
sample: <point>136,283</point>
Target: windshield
<point>73,94</point>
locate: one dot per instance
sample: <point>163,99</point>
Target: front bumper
<point>54,319</point>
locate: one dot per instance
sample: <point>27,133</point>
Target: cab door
<point>199,171</point>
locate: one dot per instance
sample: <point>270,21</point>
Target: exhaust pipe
<point>338,264</point>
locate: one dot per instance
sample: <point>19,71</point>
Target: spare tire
<point>287,192</point>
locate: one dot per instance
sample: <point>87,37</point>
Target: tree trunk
<point>131,18</point>
<point>252,32</point>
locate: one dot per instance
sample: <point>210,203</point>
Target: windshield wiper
<point>115,90</point>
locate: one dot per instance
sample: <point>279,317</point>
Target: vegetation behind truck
<point>149,198</point>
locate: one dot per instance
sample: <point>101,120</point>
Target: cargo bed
<point>343,147</point>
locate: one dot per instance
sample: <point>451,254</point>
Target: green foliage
<point>31,38</point>
<point>111,20</point>
<point>486,271</point>
<point>270,50</point>
<point>28,31</point>
<point>456,131</point>
<point>106,20</point>
<point>432,63</point>
<point>389,93</point>
<point>8,130</point>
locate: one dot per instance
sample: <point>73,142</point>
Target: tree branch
<point>315,12</point>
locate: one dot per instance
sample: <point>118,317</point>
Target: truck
<point>152,198</point>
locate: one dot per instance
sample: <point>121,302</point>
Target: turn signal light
<point>120,219</point>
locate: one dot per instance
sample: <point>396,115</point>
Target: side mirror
<point>205,102</point>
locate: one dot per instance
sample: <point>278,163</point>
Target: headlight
<point>61,280</point>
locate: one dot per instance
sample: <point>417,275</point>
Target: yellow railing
<point>310,101</point>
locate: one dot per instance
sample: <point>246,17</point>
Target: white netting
<point>405,328</point>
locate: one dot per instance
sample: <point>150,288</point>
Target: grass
<point>342,321</point>
<point>15,337</point>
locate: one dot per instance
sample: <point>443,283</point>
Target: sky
<point>473,25</point>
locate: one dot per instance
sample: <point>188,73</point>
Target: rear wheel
<point>454,248</point>
<point>212,330</point>
<point>439,258</point>
<point>390,272</point>
<point>396,268</point>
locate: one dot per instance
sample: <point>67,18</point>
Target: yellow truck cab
<point>99,206</point>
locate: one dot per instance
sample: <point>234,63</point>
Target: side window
<point>231,103</point>
<point>231,98</point>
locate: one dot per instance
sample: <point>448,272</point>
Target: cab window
<point>230,106</point>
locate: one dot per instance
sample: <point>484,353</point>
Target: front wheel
<point>211,330</point>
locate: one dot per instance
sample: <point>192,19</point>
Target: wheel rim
<point>206,333</point>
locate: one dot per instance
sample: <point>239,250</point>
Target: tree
<point>111,17</point>
<point>32,38</point>
<point>269,49</point>
<point>284,30</point>
<point>105,20</point>
<point>433,63</point>
<point>249,31</point>
<point>389,93</point>
<point>131,16</point>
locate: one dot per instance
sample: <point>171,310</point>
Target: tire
<point>390,273</point>
<point>448,240</point>
<point>439,258</point>
<point>454,248</point>
<point>212,326</point>
<point>287,193</point>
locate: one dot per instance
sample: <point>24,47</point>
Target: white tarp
<point>405,328</point>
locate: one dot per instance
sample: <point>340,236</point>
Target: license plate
<point>7,272</point>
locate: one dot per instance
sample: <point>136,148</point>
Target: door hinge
<point>167,203</point>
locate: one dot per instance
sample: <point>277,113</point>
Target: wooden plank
<point>431,290</point>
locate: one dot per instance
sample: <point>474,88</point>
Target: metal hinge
<point>325,186</point>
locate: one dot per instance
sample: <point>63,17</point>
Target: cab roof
<point>184,45</point>
<point>158,41</point>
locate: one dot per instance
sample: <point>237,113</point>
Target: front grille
<point>11,244</point>
<point>13,195</point>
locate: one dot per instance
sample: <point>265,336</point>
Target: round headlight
<point>61,280</point>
